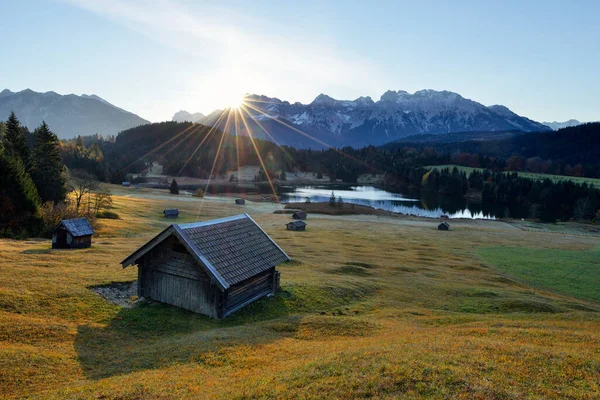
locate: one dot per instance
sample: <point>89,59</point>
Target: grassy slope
<point>531,175</point>
<point>370,307</point>
<point>576,273</point>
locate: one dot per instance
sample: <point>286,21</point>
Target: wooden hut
<point>171,213</point>
<point>72,234</point>
<point>240,202</point>
<point>444,226</point>
<point>296,226</point>
<point>213,267</point>
<point>299,215</point>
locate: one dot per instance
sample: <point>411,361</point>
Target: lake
<point>424,205</point>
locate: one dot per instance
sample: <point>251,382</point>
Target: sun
<point>235,102</point>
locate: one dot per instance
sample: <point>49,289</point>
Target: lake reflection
<point>425,205</point>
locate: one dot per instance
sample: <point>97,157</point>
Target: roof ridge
<point>198,224</point>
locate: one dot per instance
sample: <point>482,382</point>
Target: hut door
<point>61,237</point>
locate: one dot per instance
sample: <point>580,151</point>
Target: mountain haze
<point>67,115</point>
<point>558,125</point>
<point>362,121</point>
<point>184,116</point>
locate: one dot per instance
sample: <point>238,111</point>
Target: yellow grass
<point>370,307</point>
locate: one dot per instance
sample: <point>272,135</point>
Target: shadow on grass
<point>153,335</point>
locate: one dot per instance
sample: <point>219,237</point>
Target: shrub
<point>52,214</point>
<point>107,215</point>
<point>174,189</point>
<point>199,193</point>
<point>332,200</point>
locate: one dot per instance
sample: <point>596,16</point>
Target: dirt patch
<point>123,294</point>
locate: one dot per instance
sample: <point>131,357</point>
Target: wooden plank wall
<point>249,288</point>
<point>175,278</point>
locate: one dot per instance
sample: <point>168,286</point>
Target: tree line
<point>34,181</point>
<point>191,150</point>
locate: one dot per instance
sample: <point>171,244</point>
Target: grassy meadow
<point>530,175</point>
<point>370,306</point>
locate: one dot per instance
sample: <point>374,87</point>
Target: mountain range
<point>559,125</point>
<point>328,121</point>
<point>323,122</point>
<point>67,115</point>
<point>184,116</point>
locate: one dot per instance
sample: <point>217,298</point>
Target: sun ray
<point>162,156</point>
<point>243,108</point>
<point>260,158</point>
<point>237,140</point>
<point>313,138</point>
<point>157,148</point>
<point>211,130</point>
<point>215,161</point>
<point>278,204</point>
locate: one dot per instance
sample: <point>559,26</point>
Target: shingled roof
<point>231,249</point>
<point>77,227</point>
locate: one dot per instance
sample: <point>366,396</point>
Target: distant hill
<point>68,115</point>
<point>455,137</point>
<point>361,122</point>
<point>558,125</point>
<point>184,116</point>
<point>574,145</point>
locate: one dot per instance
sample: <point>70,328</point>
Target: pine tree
<point>19,200</point>
<point>2,133</point>
<point>15,142</point>
<point>46,165</point>
<point>174,189</point>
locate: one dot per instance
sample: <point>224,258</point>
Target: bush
<point>107,215</point>
<point>199,193</point>
<point>52,214</point>
<point>174,189</point>
<point>332,200</point>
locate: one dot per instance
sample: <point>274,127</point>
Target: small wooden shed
<point>444,226</point>
<point>296,226</point>
<point>240,202</point>
<point>171,213</point>
<point>299,215</point>
<point>213,267</point>
<point>72,234</point>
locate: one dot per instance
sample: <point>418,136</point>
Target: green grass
<point>575,273</point>
<point>529,175</point>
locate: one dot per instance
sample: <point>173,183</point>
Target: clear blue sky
<point>539,58</point>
